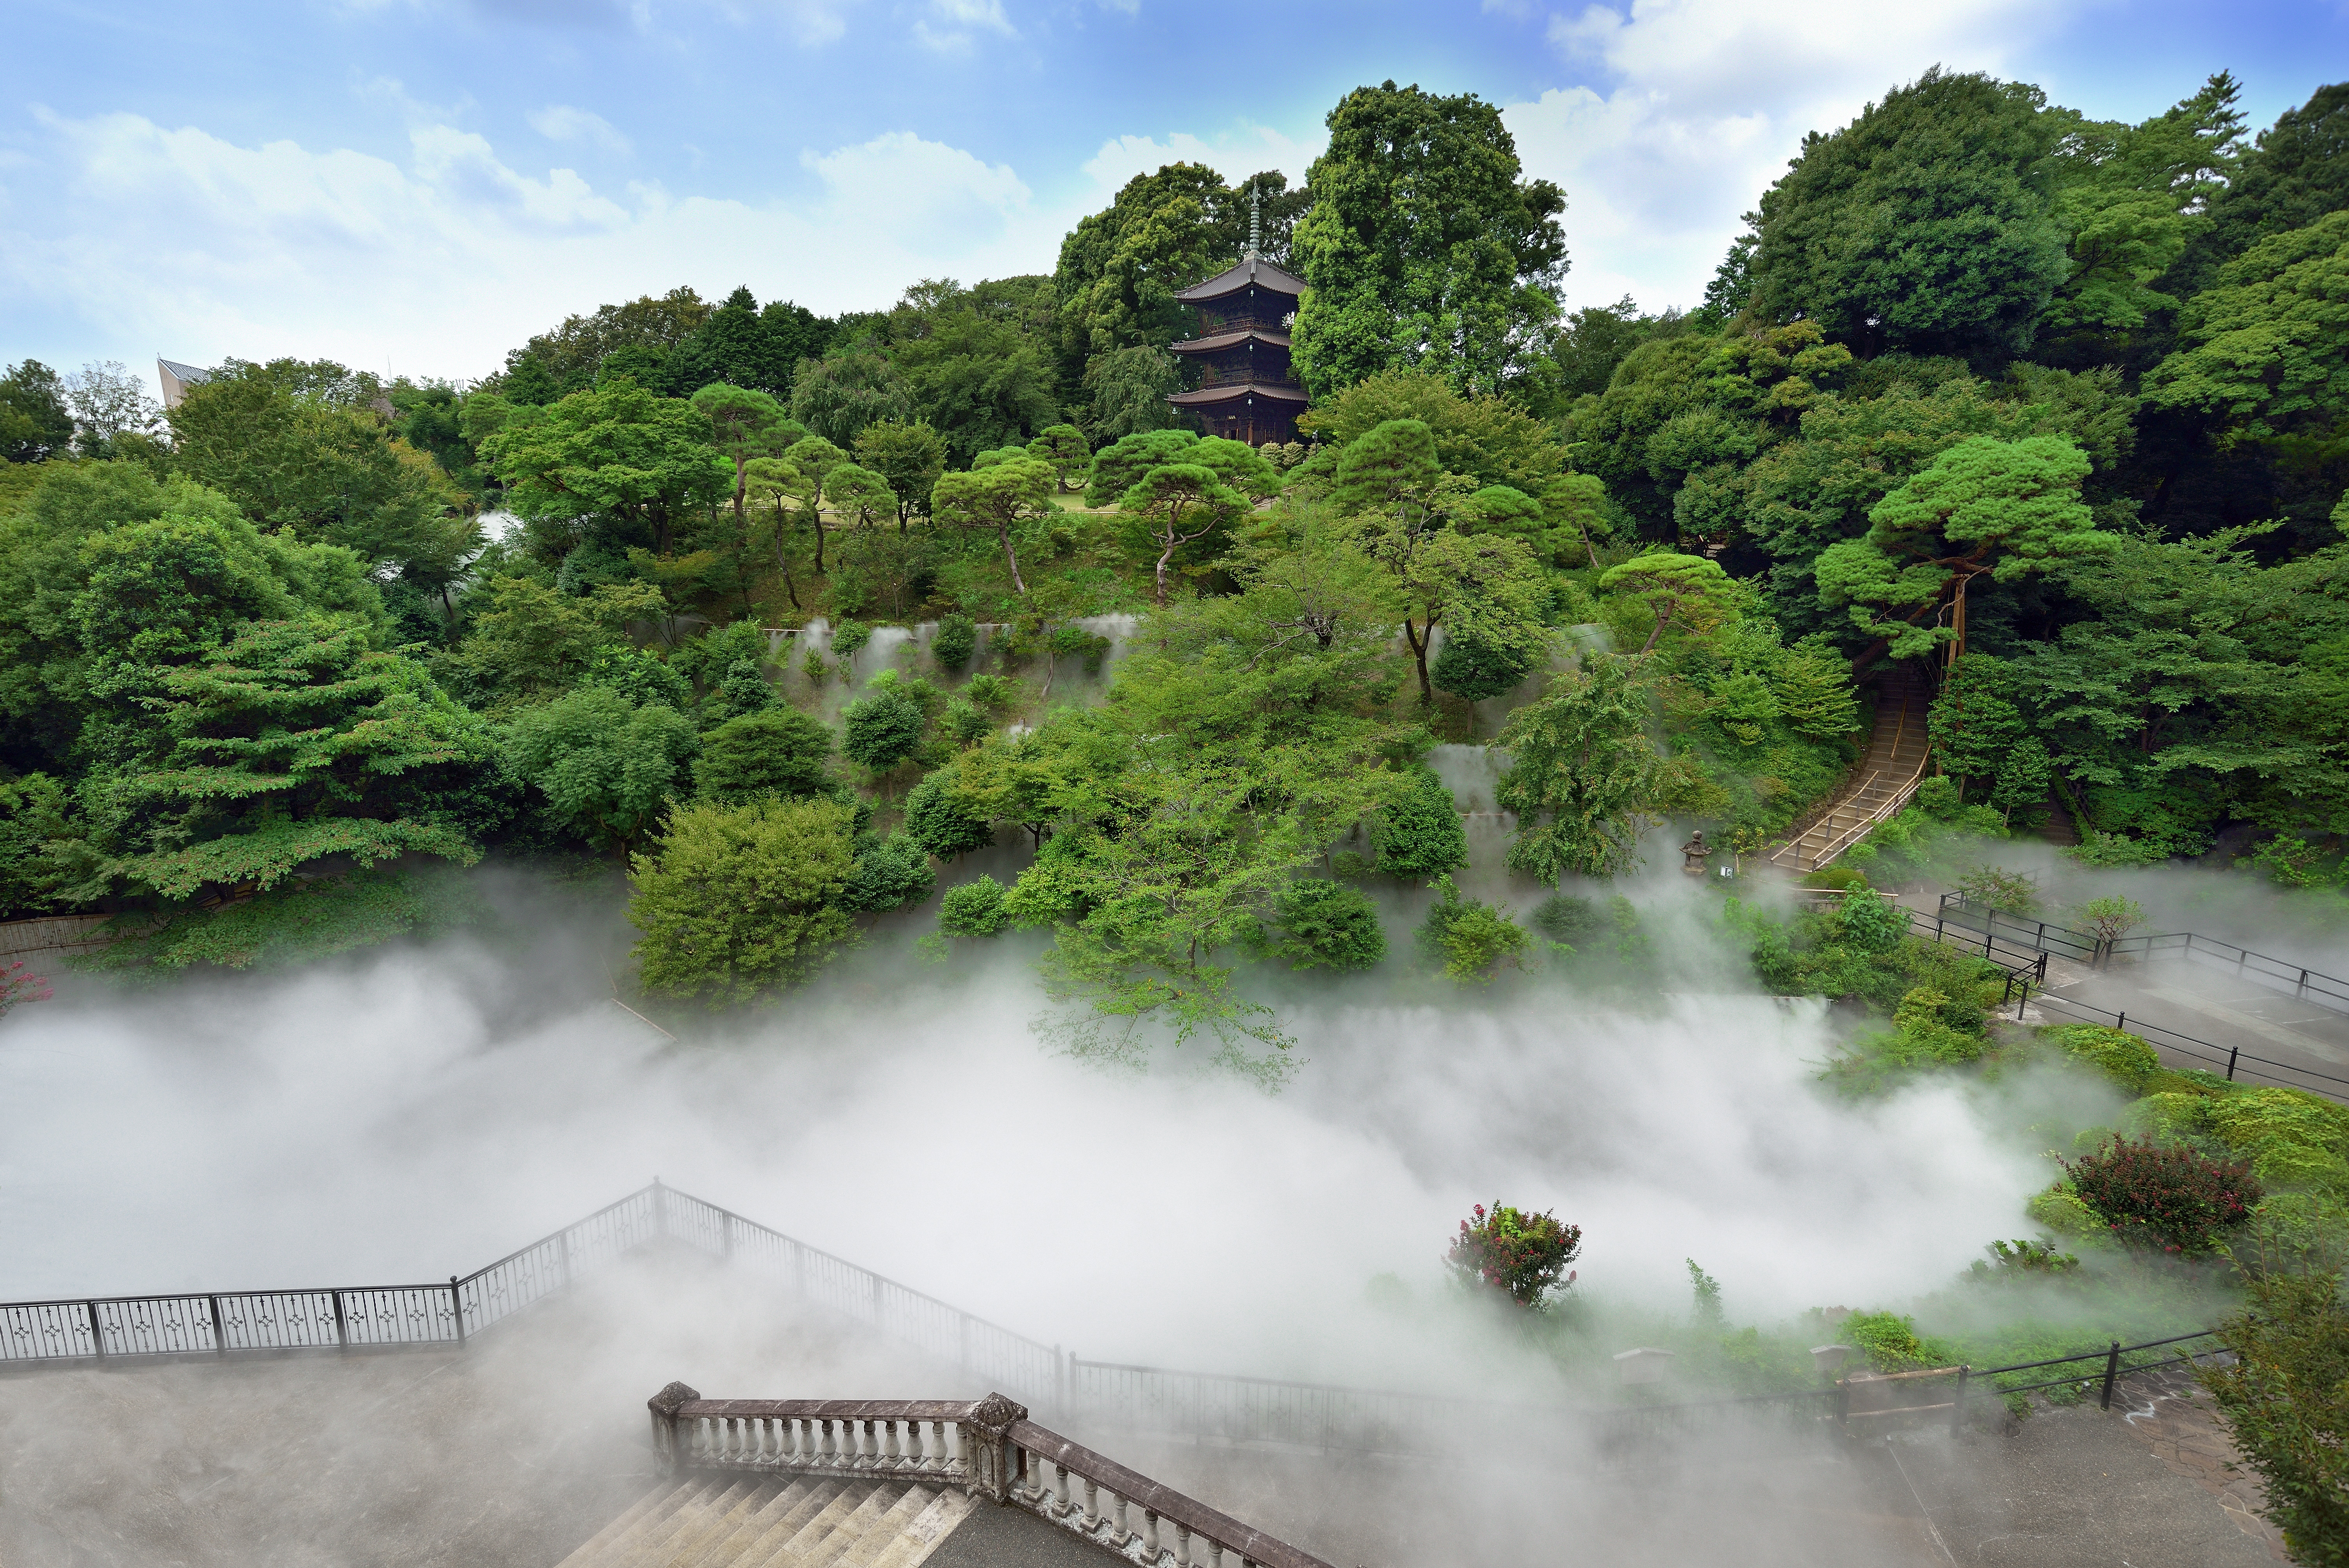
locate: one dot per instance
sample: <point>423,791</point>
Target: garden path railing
<point>2298,980</point>
<point>1201,1406</point>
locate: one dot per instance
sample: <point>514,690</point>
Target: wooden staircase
<point>778,1522</point>
<point>1887,775</point>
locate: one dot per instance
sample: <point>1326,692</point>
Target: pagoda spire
<point>1256,220</point>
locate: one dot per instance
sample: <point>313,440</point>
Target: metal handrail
<point>1900,797</point>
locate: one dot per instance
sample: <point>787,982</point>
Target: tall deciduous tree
<point>1424,245</point>
<point>643,462</point>
<point>909,456</point>
<point>1926,225</point>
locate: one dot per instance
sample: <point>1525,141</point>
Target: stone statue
<point>1694,853</point>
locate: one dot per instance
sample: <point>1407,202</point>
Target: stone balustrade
<point>988,1447</point>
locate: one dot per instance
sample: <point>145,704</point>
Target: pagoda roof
<point>1229,340</point>
<point>1232,392</point>
<point>1252,272</point>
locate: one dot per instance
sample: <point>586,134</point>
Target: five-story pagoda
<point>1247,391</point>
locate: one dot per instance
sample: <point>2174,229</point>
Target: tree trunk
<point>1004,533</point>
<point>1419,652</point>
<point>1663,618</point>
<point>1164,557</point>
<point>816,513</point>
<point>783,557</point>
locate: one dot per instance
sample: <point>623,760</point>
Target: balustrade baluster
<point>1183,1546</point>
<point>1118,1533</point>
<point>1214,1553</point>
<point>833,1440</point>
<point>1150,1536</point>
<point>891,1454</point>
<point>943,1444</point>
<point>1093,1504</point>
<point>1061,1489</point>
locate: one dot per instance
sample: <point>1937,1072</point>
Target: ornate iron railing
<point>412,1317</point>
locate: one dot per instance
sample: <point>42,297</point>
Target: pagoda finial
<point>1255,218</point>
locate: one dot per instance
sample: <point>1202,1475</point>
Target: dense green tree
<point>1581,777</point>
<point>2265,351</point>
<point>1424,246</point>
<point>616,452</point>
<point>882,730</point>
<point>606,767</point>
<point>571,355</point>
<point>774,750</point>
<point>1326,924</point>
<point>978,382</point>
<point>851,387</point>
<point>1065,447</point>
<point>909,456</point>
<point>973,909</point>
<point>1927,224</point>
<point>944,821</point>
<point>1688,590</point>
<point>1486,439</point>
<point>288,743</point>
<point>1126,391</point>
<point>2296,173</point>
<point>35,423</point>
<point>112,415</point>
<point>1984,509</point>
<point>736,901</point>
<point>327,469</point>
<point>738,344</point>
<point>1419,831</point>
<point>889,875</point>
<point>1120,268</point>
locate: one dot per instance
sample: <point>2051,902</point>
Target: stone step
<point>777,1522</point>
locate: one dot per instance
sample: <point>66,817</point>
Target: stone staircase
<point>778,1522</point>
<point>1886,778</point>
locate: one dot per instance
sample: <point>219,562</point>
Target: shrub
<point>1472,939</point>
<point>2286,1400</point>
<point>1993,887</point>
<point>2126,1059</point>
<point>1421,834</point>
<point>1889,1340</point>
<point>889,876</point>
<point>739,900</point>
<point>994,693</point>
<point>957,640</point>
<point>638,675</point>
<point>1868,923</point>
<point>965,725</point>
<point>1566,918</point>
<point>882,730</point>
<point>744,689</point>
<point>2164,1196</point>
<point>1470,669</point>
<point>941,824</point>
<point>1329,924</point>
<point>849,636</point>
<point>18,987</point>
<point>973,909</point>
<point>1522,1255</point>
<point>2020,1260</point>
<point>779,749</point>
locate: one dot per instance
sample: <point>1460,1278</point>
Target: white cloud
<point>958,20</point>
<point>1709,99</point>
<point>1235,156</point>
<point>561,122</point>
<point>176,241</point>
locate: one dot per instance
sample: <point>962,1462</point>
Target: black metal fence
<point>2281,975</point>
<point>415,1317</point>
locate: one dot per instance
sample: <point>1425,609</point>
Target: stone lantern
<point>1694,853</point>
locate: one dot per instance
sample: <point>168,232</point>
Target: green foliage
<point>1567,920</point>
<point>296,923</point>
<point>882,730</point>
<point>943,821</point>
<point>910,458</point>
<point>1581,776</point>
<point>1472,940</point>
<point>2264,351</point>
<point>973,909</point>
<point>2110,917</point>
<point>957,640</point>
<point>737,902</point>
<point>35,423</point>
<point>1993,887</point>
<point>1327,924</point>
<point>889,875</point>
<point>1419,832</point>
<point>1926,225</point>
<point>2167,1197</point>
<point>616,450</point>
<point>1468,669</point>
<point>638,674</point>
<point>774,750</point>
<point>1424,246</point>
<point>2126,1059</point>
<point>606,767</point>
<point>2286,1401</point>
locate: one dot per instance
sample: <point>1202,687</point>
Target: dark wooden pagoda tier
<point>1247,390</point>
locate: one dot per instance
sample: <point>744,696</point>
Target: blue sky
<point>418,185</point>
